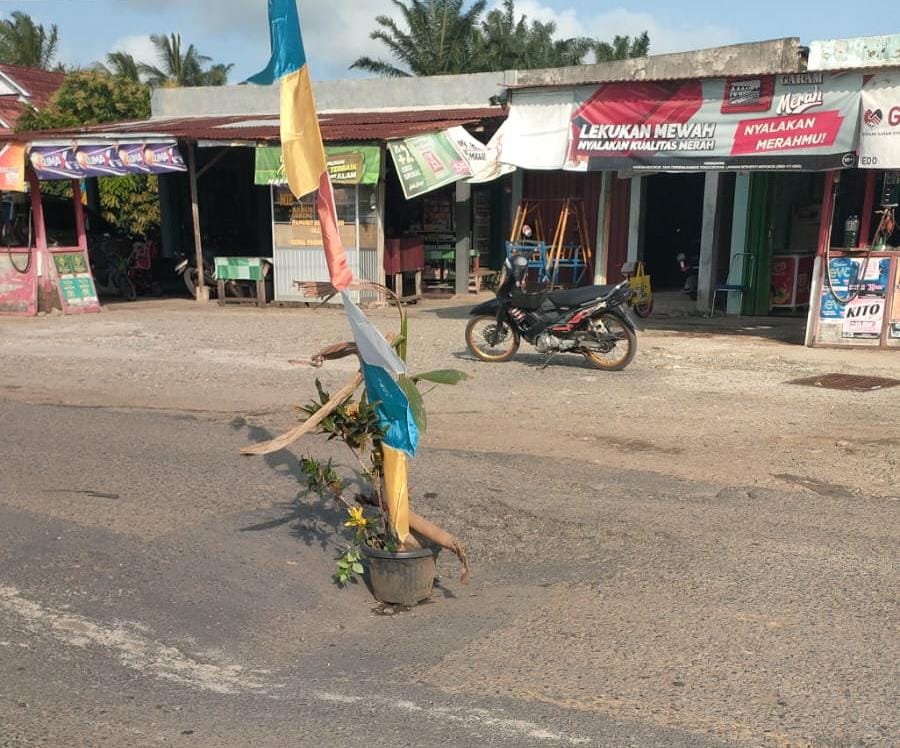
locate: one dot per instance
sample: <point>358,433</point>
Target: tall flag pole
<point>306,170</point>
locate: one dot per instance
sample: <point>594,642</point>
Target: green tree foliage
<point>92,97</point>
<point>177,68</point>
<point>121,65</point>
<point>438,39</point>
<point>622,48</point>
<point>131,203</point>
<point>441,37</point>
<point>24,42</point>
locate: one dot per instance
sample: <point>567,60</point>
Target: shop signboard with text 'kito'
<point>856,301</point>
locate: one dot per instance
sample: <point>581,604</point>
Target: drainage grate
<point>851,382</point>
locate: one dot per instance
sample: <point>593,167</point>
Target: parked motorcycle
<point>592,321</point>
<point>187,269</point>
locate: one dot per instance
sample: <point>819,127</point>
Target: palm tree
<point>438,38</point>
<point>217,75</point>
<point>121,65</point>
<point>176,69</point>
<point>23,42</point>
<point>622,48</point>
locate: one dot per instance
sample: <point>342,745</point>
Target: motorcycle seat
<point>577,296</point>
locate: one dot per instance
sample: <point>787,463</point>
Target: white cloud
<point>139,47</point>
<point>664,36</point>
<point>335,32</point>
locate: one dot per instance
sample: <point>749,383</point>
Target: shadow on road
<point>314,520</point>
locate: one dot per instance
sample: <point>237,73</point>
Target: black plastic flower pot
<point>401,578</point>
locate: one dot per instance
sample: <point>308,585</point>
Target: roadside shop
<point>40,271</point>
<point>221,196</point>
<point>729,172</point>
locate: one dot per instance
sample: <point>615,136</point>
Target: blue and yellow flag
<point>301,139</point>
<point>306,171</point>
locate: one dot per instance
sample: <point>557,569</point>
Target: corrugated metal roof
<point>338,126</point>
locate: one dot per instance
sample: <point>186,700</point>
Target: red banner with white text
<point>805,121</point>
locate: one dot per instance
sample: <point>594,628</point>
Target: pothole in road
<point>851,382</point>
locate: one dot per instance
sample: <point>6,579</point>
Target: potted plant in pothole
<point>401,572</point>
<point>397,545</point>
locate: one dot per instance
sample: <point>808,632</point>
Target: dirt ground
<point>703,399</point>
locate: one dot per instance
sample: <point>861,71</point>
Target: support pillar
<point>636,220</point>
<point>706,279</point>
<point>202,292</point>
<point>738,238</point>
<point>601,253</point>
<point>380,203</point>
<point>463,220</point>
<point>518,190</point>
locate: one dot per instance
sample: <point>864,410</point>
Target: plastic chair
<point>747,261</point>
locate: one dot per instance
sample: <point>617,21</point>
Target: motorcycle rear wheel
<point>620,339</point>
<point>490,340</point>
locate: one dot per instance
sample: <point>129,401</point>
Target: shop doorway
<point>783,222</point>
<point>673,222</point>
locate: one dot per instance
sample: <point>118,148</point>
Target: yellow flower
<point>356,518</point>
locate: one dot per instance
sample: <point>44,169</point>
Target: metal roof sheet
<point>40,85</point>
<point>335,126</point>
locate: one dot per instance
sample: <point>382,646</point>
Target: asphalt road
<point>155,589</point>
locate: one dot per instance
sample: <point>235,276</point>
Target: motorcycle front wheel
<point>490,340</point>
<point>615,346</point>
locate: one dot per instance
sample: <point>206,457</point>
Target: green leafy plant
<point>355,423</point>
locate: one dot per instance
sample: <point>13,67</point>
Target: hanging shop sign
<point>428,162</point>
<point>12,168</point>
<point>798,121</point>
<point>483,160</point>
<point>350,164</point>
<point>879,128</point>
<point>104,160</point>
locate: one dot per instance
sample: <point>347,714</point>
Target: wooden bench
<point>397,285</point>
<point>481,277</point>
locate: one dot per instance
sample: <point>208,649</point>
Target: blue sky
<point>336,31</point>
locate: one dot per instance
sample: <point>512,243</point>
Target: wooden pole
<point>201,291</point>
